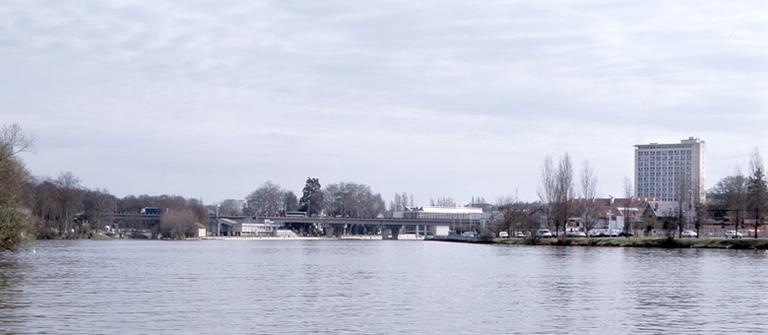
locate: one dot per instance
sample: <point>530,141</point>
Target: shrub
<point>15,228</point>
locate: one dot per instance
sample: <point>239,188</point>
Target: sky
<point>209,99</point>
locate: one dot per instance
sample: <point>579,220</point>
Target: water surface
<point>377,287</point>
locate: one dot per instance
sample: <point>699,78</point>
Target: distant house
<point>521,217</point>
<point>200,229</point>
<point>611,213</point>
<point>660,218</point>
<point>604,217</point>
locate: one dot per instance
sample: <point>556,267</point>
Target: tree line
<point>15,221</point>
<point>42,207</point>
<point>740,197</point>
<point>343,199</point>
<point>61,207</point>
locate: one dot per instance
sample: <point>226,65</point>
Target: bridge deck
<point>320,219</point>
<point>374,221</point>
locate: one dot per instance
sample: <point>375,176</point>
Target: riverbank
<point>300,238</point>
<point>402,237</point>
<point>643,242</point>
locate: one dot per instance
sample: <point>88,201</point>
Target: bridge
<point>393,226</point>
<point>390,228</point>
<point>134,221</point>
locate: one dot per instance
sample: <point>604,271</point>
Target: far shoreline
<point>614,242</point>
<point>643,242</point>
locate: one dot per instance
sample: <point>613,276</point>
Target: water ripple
<point>377,287</point>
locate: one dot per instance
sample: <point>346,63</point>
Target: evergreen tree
<point>312,197</point>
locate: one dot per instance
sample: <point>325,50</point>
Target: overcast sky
<point>209,99</point>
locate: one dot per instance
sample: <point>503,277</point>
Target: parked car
<point>626,234</point>
<point>689,233</point>
<point>543,233</point>
<point>520,234</point>
<point>614,232</point>
<point>503,234</point>
<point>575,233</point>
<point>733,234</point>
<point>598,233</point>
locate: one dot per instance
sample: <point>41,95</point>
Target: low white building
<point>255,229</point>
<point>440,212</point>
<point>201,231</point>
<point>234,228</point>
<point>458,216</point>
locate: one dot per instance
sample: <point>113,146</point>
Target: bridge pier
<point>334,230</point>
<point>154,231</point>
<point>390,232</point>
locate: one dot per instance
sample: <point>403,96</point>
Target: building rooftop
<point>684,142</point>
<point>446,210</point>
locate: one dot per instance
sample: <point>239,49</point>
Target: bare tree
<point>556,190</point>
<point>95,204</point>
<point>179,223</point>
<point>731,192</point>
<point>506,201</point>
<point>353,200</point>
<point>682,201</point>
<point>757,190</point>
<point>291,201</point>
<point>442,201</point>
<point>400,202</point>
<point>515,216</point>
<point>629,219</point>
<point>14,141</point>
<point>477,201</point>
<point>267,200</point>
<point>13,175</point>
<point>588,193</point>
<point>15,226</point>
<point>547,190</point>
<point>628,189</point>
<point>231,207</point>
<point>564,191</point>
<point>701,215</point>
<point>69,196</point>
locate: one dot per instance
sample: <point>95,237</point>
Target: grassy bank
<point>644,242</point>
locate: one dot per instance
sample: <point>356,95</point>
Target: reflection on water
<point>11,295</point>
<point>380,287</point>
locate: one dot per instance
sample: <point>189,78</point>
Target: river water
<point>377,287</point>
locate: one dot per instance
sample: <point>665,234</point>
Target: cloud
<point>451,97</point>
